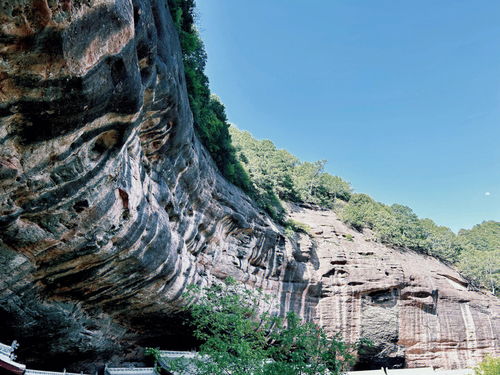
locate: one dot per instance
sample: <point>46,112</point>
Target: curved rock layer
<point>109,206</point>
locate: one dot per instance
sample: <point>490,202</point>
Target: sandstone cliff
<point>109,206</point>
<point>418,311</point>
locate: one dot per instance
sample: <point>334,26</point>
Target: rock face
<point>109,206</point>
<point>417,311</point>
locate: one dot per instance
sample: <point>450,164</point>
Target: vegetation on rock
<point>292,227</point>
<point>475,252</point>
<point>209,114</point>
<point>480,256</point>
<point>270,176</point>
<point>279,176</point>
<point>488,366</point>
<point>241,336</point>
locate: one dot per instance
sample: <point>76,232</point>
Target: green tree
<point>481,268</point>
<point>407,230</point>
<point>479,259</point>
<point>360,212</point>
<point>240,336</point>
<point>225,318</point>
<point>331,188</point>
<point>277,175</point>
<point>269,170</point>
<point>484,236</point>
<point>441,242</point>
<point>304,348</point>
<point>488,366</point>
<point>307,178</point>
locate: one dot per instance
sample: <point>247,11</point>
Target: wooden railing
<point>126,370</point>
<point>6,349</point>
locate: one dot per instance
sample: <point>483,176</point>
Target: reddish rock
<point>109,207</point>
<point>418,311</point>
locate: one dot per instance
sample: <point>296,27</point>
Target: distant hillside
<point>277,175</point>
<point>269,176</point>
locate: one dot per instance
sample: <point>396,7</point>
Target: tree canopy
<point>475,252</point>
<point>278,175</point>
<point>240,335</point>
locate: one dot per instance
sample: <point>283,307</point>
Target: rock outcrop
<point>417,311</point>
<point>109,206</point>
<point>108,203</point>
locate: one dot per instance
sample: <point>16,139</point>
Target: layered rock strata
<point>109,205</point>
<point>417,311</point>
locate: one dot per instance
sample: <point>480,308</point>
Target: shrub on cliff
<point>488,366</point>
<point>208,112</point>
<point>479,259</point>
<point>395,225</point>
<point>482,268</point>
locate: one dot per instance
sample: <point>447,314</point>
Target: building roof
<point>8,365</point>
<point>6,349</point>
<point>7,358</point>
<point>172,354</point>
<point>40,372</point>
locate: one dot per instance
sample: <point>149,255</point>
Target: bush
<point>209,114</point>
<point>349,237</point>
<point>488,366</point>
<point>360,212</point>
<point>241,336</point>
<point>395,225</point>
<point>292,227</point>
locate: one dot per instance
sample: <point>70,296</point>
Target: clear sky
<point>401,97</point>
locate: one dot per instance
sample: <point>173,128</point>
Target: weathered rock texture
<point>417,311</point>
<point>109,206</point>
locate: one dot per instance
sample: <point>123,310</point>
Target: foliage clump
<point>279,176</point>
<point>479,259</point>
<point>488,366</point>
<point>293,226</point>
<point>209,113</point>
<point>475,252</point>
<point>396,225</point>
<point>240,335</point>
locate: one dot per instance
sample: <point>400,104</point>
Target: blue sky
<point>401,97</point>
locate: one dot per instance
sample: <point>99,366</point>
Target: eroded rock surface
<point>418,311</point>
<point>109,206</point>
